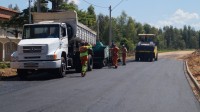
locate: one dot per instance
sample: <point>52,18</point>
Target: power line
<point>117,4</point>
<point>94,4</point>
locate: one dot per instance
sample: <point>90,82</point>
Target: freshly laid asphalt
<point>159,86</point>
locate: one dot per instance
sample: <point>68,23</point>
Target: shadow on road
<point>50,76</point>
<point>40,77</point>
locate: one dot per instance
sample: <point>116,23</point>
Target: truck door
<point>64,39</point>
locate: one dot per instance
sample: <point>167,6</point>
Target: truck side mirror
<point>63,32</point>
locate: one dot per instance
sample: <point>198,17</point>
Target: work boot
<point>83,74</point>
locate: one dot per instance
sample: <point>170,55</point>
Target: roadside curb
<point>192,77</point>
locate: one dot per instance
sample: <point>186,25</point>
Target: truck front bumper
<point>35,64</point>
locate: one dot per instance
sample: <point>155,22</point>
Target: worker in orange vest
<point>115,51</point>
<point>84,57</point>
<point>124,54</point>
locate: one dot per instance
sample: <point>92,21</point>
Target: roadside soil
<point>179,55</point>
<point>8,72</point>
<point>193,60</point>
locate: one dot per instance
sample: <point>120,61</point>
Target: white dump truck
<point>51,44</point>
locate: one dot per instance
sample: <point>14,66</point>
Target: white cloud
<point>75,1</point>
<point>180,18</point>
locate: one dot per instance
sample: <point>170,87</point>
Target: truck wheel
<point>22,74</point>
<point>136,57</point>
<point>151,59</point>
<point>61,71</point>
<point>90,63</point>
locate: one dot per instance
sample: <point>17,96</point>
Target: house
<point>8,43</point>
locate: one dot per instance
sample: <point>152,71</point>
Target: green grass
<point>4,65</point>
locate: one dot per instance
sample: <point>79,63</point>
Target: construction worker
<point>84,57</point>
<point>115,51</point>
<point>124,54</point>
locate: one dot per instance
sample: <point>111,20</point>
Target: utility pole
<point>38,5</point>
<point>30,11</point>
<point>110,27</point>
<point>98,30</point>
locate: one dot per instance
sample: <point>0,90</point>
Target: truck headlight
<point>51,57</point>
<point>14,57</point>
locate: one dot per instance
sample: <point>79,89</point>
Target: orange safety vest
<point>84,50</point>
<point>124,51</point>
<point>115,51</point>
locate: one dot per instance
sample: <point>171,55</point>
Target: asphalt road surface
<point>159,86</point>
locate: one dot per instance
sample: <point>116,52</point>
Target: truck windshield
<point>41,31</point>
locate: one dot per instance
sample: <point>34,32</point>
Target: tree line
<point>125,29</point>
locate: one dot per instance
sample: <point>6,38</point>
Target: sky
<point>157,13</point>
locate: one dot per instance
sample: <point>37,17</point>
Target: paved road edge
<point>192,77</point>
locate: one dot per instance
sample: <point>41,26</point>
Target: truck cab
<point>43,46</point>
<point>51,43</point>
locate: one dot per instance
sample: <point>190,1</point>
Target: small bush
<point>4,65</point>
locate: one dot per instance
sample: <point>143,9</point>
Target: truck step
<point>68,67</point>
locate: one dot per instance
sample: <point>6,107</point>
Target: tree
<point>147,28</point>
<point>122,22</point>
<point>103,28</point>
<point>17,22</point>
<point>16,8</point>
<point>56,4</point>
<point>10,6</point>
<point>91,17</point>
<point>131,33</point>
<point>43,6</point>
<point>69,6</point>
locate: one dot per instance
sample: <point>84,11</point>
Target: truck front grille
<point>32,49</point>
<point>32,57</point>
<point>31,65</point>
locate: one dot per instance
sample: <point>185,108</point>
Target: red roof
<point>7,9</point>
<point>4,16</point>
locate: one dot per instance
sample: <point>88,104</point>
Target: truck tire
<point>77,62</point>
<point>61,71</point>
<point>151,59</point>
<point>136,57</point>
<point>22,74</point>
<point>90,63</point>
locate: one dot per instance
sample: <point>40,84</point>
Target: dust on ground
<point>175,54</point>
